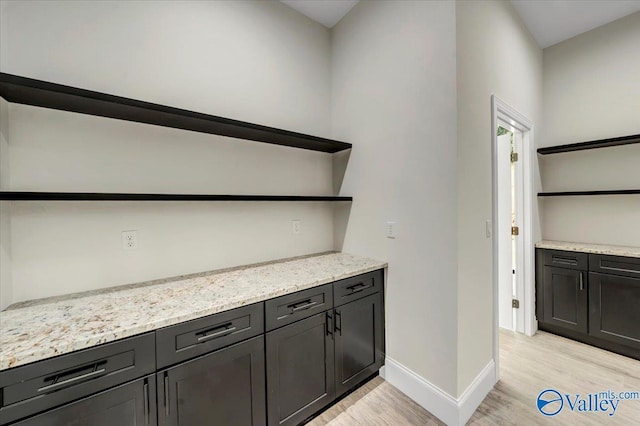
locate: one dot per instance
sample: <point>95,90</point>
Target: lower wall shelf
<point>579,193</point>
<point>100,196</point>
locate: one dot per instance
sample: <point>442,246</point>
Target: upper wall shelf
<point>602,143</point>
<point>40,93</point>
<point>110,196</point>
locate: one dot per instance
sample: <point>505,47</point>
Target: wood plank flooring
<point>528,365</point>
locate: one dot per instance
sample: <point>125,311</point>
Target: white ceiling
<point>553,21</point>
<point>326,12</point>
<point>549,21</point>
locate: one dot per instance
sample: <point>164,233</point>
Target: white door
<point>503,228</point>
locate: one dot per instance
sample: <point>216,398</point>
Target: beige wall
<point>592,91</point>
<point>495,55</point>
<point>394,98</point>
<point>255,61</point>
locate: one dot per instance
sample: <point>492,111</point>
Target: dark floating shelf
<point>580,193</point>
<point>603,143</point>
<point>99,196</point>
<point>40,93</point>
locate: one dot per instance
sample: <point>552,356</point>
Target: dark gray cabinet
<point>37,387</point>
<point>614,308</point>
<point>133,404</point>
<point>318,358</point>
<point>225,387</point>
<point>276,362</point>
<point>300,373</point>
<point>359,345</point>
<point>565,298</point>
<point>591,298</point>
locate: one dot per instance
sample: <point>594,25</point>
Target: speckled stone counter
<point>36,331</point>
<point>590,248</point>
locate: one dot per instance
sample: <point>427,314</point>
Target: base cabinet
<point>591,298</point>
<point>132,404</point>
<point>225,388</point>
<point>300,369</point>
<point>359,345</point>
<point>277,362</point>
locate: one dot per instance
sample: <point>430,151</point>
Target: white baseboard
<point>476,392</point>
<point>452,411</point>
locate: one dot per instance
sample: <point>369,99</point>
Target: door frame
<point>502,111</point>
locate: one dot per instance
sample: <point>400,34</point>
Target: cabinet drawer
<point>293,307</point>
<point>566,259</point>
<point>197,337</point>
<point>356,287</point>
<point>49,383</point>
<point>616,265</point>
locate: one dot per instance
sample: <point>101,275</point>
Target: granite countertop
<point>590,248</point>
<point>34,331</point>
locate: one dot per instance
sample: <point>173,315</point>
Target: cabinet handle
<point>565,261</point>
<point>339,322</point>
<point>301,306</point>
<point>166,394</point>
<point>226,330</point>
<point>329,325</point>
<point>72,381</point>
<point>581,282</point>
<point>146,401</point>
<point>356,288</point>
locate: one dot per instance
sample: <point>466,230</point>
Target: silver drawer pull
<point>220,333</point>
<point>301,306</point>
<point>565,260</point>
<point>358,287</point>
<point>72,381</point>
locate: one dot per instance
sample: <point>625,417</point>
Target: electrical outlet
<point>129,240</point>
<point>296,226</point>
<point>391,229</point>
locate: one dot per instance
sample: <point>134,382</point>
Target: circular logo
<point>550,402</point>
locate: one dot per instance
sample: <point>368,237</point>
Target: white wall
<point>592,91</point>
<point>255,61</point>
<point>6,287</point>
<point>495,55</point>
<point>394,97</point>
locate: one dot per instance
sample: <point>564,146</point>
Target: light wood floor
<point>528,365</point>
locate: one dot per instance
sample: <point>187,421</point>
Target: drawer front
<point>197,337</point>
<point>49,383</point>
<point>293,307</point>
<point>615,265</point>
<point>354,288</point>
<point>566,259</point>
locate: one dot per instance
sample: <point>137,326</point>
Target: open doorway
<point>510,212</point>
<point>512,239</point>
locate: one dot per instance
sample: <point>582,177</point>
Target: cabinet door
<point>565,298</point>
<point>300,373</point>
<point>359,350</point>
<point>614,308</point>
<point>132,404</point>
<point>225,387</point>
